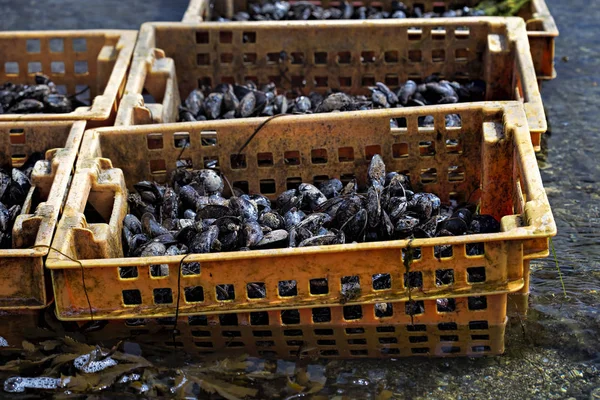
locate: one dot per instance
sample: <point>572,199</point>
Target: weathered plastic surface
<point>493,163</point>
<point>172,59</point>
<point>22,283</point>
<point>541,27</point>
<point>98,59</point>
<point>275,334</point>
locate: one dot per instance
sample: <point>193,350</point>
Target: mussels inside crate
<point>226,101</point>
<point>276,10</point>
<point>191,215</point>
<point>41,97</point>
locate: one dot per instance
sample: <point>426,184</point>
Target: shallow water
<point>555,353</point>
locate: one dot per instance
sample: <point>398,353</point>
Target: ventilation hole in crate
<point>321,314</point>
<point>480,349</point>
<point>326,342</point>
<point>477,303</point>
<point>287,288</point>
<point>449,338</point>
<point>415,55</point>
<point>418,339</point>
<point>57,67</point>
<point>235,344</point>
<point>346,154</point>
<point>128,272</point>
<point>461,55</point>
<point>136,322</point>
<point>453,121</point>
<point>350,287</point>
<point>297,58</point>
<point>450,349</point>
<point>290,317</point>
<point>347,178</point>
<point>388,340</point>
<point>368,80</point>
<point>273,58</point>
<point>198,320</point>
<point>163,296</point>
<point>391,56</point>
<point>231,334</point>
<point>318,156</point>
<point>225,292</point>
<point>208,138</point>
<point>201,333</point>
<point>205,81</point>
<point>345,81</point>
<point>259,318</point>
<point>360,342</point>
<point>132,297</point>
<point>11,68</point>
<point>319,286</point>
<point>276,80</point>
<point>344,57</point>
<point>475,249</point>
<point>174,344</point>
<point>159,271</point>
<point>359,352</point>
<point>454,146</point>
<point>57,45</point>
<point>203,344</point>
<point>444,277</point>
<point>166,321</point>
<point>444,251</point>
<point>17,136</point>
<point>447,326</point>
<point>427,149</point>
<point>428,175</point>
<point>293,183</point>
<point>226,58</point>
<point>18,160</point>
<point>415,33</point>
<point>238,161</point>
<point>292,332</point>
<point>462,32</point>
<point>413,279</point>
<point>321,81</point>
<point>228,319</point>
<point>320,57</point>
<point>416,328</point>
<point>476,274</point>
<point>446,305</point>
<point>426,121</point>
<point>414,307</point>
<point>328,353</point>
<point>383,310</point>
<point>319,179</point>
<point>211,162</point>
<point>370,151</point>
<point>456,173</point>
<point>352,312</point>
<point>478,325</point>
<point>249,58</point>
<point>268,186</point>
<point>158,167</point>
<point>34,67</point>
<point>194,294</point>
<point>392,80</point>
<point>79,45</point>
<point>382,281</point>
<point>438,33</point>
<point>192,268</point>
<point>367,57</point>
<point>265,343</point>
<point>390,351</point>
<point>202,37</point>
<point>256,290</point>
<point>291,157</point>
<point>355,331</point>
<point>81,67</point>
<point>264,159</point>
<point>225,37</point>
<point>420,350</point>
<point>298,81</point>
<point>155,141</point>
<point>262,333</point>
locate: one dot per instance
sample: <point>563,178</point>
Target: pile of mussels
<point>276,10</point>
<point>14,186</point>
<point>228,101</point>
<point>42,97</point>
<point>191,216</point>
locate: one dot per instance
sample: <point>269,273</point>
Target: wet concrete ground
<point>555,353</point>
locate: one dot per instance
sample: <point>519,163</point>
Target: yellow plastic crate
<point>172,59</point>
<point>541,28</point>
<point>492,162</point>
<point>98,59</point>
<point>22,282</point>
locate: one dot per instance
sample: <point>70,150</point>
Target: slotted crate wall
<point>491,150</point>
<point>541,28</point>
<point>173,59</point>
<point>74,60</point>
<point>22,282</point>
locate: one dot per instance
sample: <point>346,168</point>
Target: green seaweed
<point>502,8</point>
